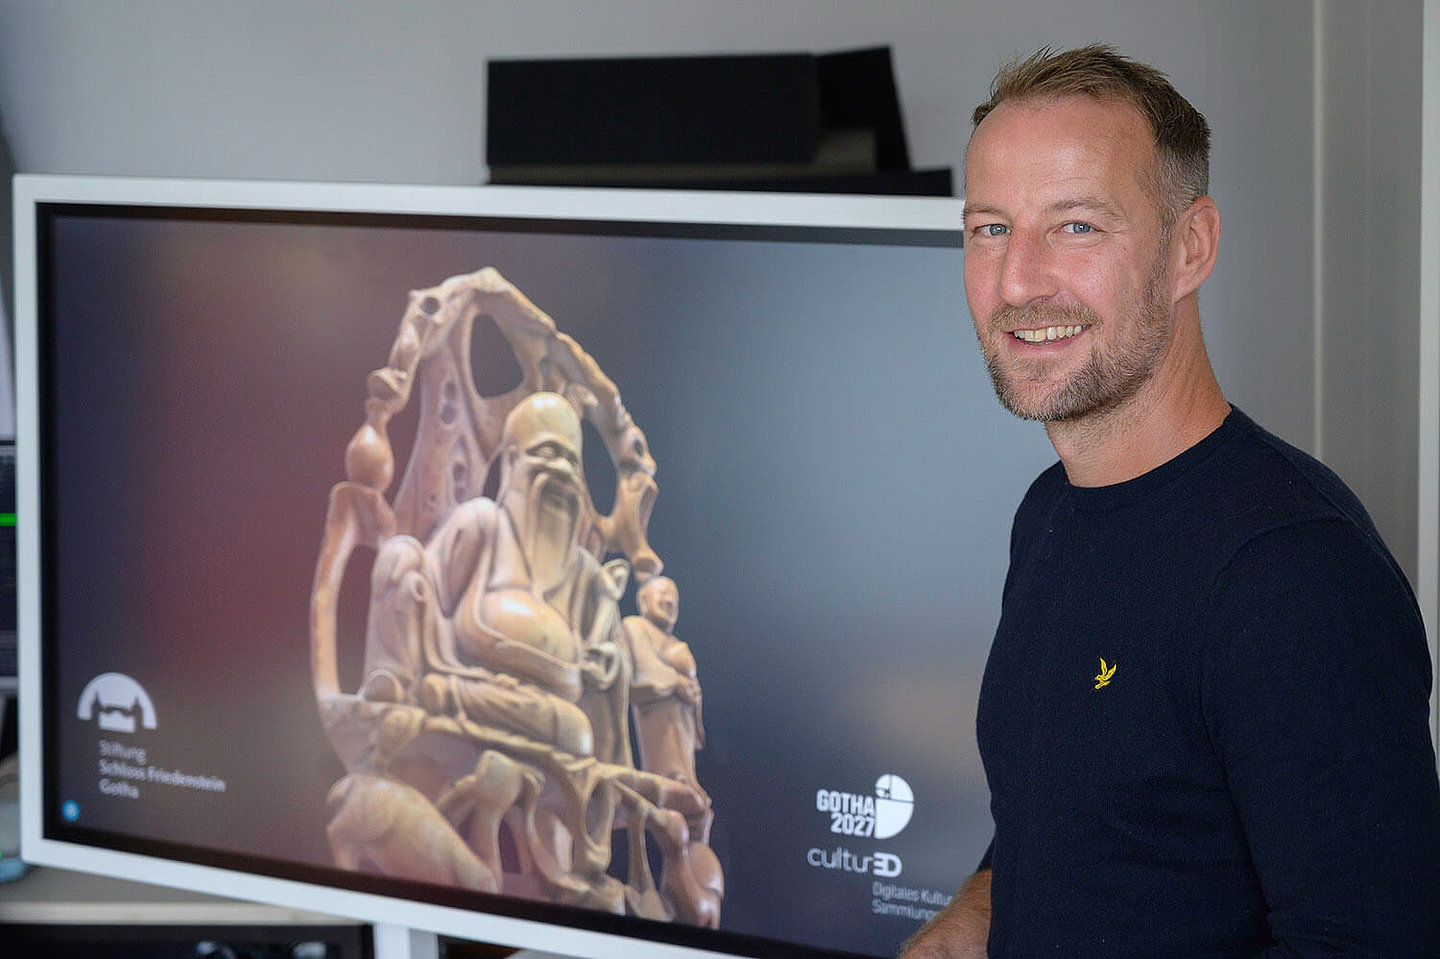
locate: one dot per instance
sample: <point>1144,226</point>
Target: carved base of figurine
<point>441,799</point>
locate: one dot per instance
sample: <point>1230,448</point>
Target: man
<point>1204,719</point>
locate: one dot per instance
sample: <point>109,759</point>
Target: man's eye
<point>994,229</point>
<point>1078,228</point>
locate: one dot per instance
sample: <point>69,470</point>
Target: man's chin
<point>1052,395</point>
<point>1035,413</point>
<point>1055,404</point>
<point>1026,398</point>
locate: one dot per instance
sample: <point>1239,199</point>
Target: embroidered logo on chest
<point>1106,672</point>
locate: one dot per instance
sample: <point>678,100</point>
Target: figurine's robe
<point>668,727</point>
<point>461,609</point>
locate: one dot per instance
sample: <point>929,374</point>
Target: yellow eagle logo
<point>1106,672</point>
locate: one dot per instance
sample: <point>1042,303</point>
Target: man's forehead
<point>1064,146</point>
<point>1088,109</point>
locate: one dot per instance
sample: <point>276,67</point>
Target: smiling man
<point>1204,719</point>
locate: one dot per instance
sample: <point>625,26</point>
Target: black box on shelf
<point>792,122</point>
<point>655,110</point>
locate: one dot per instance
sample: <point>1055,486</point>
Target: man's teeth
<point>1047,334</point>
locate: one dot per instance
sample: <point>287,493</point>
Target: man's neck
<point>1180,406</point>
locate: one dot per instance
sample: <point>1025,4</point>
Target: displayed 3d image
<point>513,728</point>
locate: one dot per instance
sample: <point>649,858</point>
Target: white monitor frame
<point>641,205</point>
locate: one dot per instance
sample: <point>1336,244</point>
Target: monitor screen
<point>599,572</point>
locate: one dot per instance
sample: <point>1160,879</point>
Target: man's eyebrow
<point>1095,203</point>
<point>978,209</point>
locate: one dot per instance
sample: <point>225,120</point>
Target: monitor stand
<point>398,942</point>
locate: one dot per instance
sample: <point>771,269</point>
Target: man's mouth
<point>1047,334</point>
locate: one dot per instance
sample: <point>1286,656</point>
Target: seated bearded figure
<point>502,616</point>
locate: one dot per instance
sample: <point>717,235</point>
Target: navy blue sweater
<point>1250,766</point>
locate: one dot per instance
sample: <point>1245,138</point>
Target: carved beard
<point>552,516</point>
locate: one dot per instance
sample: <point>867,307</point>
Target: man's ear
<point>1195,244</point>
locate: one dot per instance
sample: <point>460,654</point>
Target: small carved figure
<point>665,691</point>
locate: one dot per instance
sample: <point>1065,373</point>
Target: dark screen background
<point>836,484</point>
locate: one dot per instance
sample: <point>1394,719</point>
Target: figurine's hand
<point>382,686</point>
<point>602,664</point>
<point>690,690</point>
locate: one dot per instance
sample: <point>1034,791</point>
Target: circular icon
<point>70,810</point>
<point>894,803</point>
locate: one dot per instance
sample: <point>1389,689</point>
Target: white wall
<point>371,90</point>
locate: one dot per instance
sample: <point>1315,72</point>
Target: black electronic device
<point>777,122</point>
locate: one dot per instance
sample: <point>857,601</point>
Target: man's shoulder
<point>1261,480</point>
<point>1289,522</point>
<point>1239,484</point>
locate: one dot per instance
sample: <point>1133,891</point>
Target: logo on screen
<point>879,816</point>
<point>894,803</point>
<point>116,703</point>
<point>883,864</point>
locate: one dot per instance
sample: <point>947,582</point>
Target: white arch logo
<point>113,700</point>
<point>894,804</point>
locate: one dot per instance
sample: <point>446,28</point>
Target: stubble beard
<point>1104,382</point>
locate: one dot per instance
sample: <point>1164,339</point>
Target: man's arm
<point>960,929</point>
<point>1315,690</point>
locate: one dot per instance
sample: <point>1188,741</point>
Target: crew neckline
<point>1123,493</point>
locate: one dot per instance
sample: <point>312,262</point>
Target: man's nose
<point>1026,272</point>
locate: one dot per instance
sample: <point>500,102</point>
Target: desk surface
<point>46,895</point>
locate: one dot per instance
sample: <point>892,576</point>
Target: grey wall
<point>1368,237</point>
<point>376,91</point>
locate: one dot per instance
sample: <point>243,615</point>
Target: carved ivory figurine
<point>489,743</point>
<point>665,691</point>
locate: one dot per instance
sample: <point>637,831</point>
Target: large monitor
<point>607,573</point>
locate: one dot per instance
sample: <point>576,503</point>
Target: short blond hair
<point>1182,137</point>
